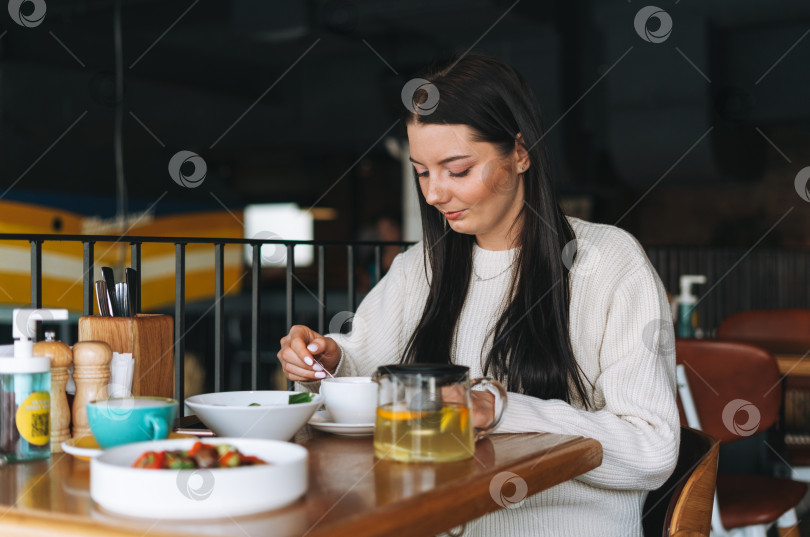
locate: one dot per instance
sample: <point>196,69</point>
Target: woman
<point>587,351</point>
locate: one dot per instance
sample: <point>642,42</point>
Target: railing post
<point>321,290</point>
<point>179,321</point>
<point>36,273</point>
<point>255,309</point>
<point>289,284</point>
<point>88,264</point>
<point>135,263</point>
<point>377,264</point>
<point>219,314</point>
<point>350,271</point>
<point>290,294</point>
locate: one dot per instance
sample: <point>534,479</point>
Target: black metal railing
<point>88,242</point>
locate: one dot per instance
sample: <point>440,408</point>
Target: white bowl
<point>188,494</point>
<point>229,413</point>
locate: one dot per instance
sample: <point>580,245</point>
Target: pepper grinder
<point>91,372</point>
<point>61,357</point>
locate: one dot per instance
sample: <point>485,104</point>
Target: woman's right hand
<point>302,349</point>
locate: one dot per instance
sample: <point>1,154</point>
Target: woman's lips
<point>454,215</point>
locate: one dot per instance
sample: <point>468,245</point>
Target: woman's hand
<point>483,408</point>
<point>302,349</point>
<point>483,404</point>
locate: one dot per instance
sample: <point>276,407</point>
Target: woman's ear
<point>522,161</point>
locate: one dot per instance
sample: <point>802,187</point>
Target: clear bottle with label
<point>25,409</point>
<point>25,392</point>
<point>687,301</point>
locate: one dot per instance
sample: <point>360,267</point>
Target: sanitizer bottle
<point>25,392</point>
<point>686,303</point>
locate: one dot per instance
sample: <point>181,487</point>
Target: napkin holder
<point>150,339</point>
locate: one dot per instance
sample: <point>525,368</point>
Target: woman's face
<point>475,187</point>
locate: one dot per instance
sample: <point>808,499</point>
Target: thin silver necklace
<point>480,279</point>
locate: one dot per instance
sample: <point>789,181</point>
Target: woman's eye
<point>422,174</point>
<point>460,174</point>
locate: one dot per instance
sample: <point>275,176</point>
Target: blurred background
<point>687,124</point>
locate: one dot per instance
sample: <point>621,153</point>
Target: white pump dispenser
<point>25,391</point>
<point>23,329</point>
<point>686,302</point>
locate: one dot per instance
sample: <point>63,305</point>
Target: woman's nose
<point>433,190</point>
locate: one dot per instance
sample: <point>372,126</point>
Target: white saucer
<point>322,421</point>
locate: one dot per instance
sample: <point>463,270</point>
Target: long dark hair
<point>531,349</point>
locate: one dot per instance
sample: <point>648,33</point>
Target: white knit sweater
<point>622,337</point>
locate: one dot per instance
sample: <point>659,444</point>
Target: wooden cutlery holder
<point>150,339</point>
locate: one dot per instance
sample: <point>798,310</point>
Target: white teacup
<point>350,399</point>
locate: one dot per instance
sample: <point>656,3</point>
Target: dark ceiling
<point>281,97</point>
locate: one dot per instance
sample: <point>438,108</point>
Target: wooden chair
<point>782,332</point>
<point>683,505</point>
<point>722,382</point>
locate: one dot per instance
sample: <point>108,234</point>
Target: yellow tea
<point>406,435</point>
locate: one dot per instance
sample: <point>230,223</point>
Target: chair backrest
<point>780,331</point>
<point>736,386</point>
<point>683,505</point>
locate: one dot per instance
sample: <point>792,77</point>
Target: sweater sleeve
<point>376,335</point>
<point>638,424</point>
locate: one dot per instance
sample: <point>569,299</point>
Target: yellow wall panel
<point>62,263</point>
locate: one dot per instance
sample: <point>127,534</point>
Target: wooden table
<point>351,494</point>
<point>796,369</point>
<point>793,365</point>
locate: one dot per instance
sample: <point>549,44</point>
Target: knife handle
<point>109,279</point>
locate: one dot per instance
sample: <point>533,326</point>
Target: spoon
<point>324,369</point>
<point>320,364</point>
<point>103,298</point>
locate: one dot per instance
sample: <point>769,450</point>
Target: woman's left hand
<point>483,408</point>
<point>483,404</point>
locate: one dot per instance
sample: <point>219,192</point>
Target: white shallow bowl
<point>229,413</point>
<point>190,494</point>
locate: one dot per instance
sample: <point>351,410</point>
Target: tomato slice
<point>151,459</point>
<point>143,460</point>
<point>160,456</point>
<point>231,458</point>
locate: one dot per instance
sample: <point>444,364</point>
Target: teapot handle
<point>500,395</point>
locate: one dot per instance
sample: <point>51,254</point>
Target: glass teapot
<point>424,412</point>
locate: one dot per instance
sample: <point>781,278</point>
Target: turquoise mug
<point>124,420</point>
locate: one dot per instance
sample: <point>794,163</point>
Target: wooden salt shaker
<point>91,372</point>
<point>61,357</point>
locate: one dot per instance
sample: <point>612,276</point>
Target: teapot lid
<point>442,372</point>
